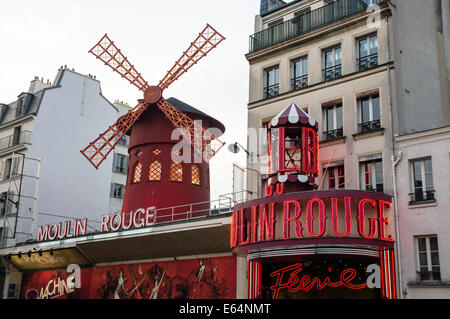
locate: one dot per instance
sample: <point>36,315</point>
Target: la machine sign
<point>337,214</point>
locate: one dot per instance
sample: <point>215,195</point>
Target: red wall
<point>185,279</point>
<point>153,130</point>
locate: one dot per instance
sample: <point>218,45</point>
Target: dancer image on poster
<point>154,293</point>
<point>120,284</point>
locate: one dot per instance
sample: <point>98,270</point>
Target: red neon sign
<point>310,151</point>
<point>322,218</point>
<point>308,163</point>
<point>305,283</point>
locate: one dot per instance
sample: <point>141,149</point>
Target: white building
<point>423,206</point>
<point>44,130</point>
<point>120,165</point>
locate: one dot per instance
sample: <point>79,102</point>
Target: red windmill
<point>142,119</point>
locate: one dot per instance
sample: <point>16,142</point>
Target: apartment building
<point>378,84</point>
<point>422,159</point>
<point>325,57</point>
<point>120,165</point>
<point>43,176</point>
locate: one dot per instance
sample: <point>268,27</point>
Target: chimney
<point>37,85</point>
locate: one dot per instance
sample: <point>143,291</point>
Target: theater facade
<point>295,242</point>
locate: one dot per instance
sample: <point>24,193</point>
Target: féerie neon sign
<point>294,283</point>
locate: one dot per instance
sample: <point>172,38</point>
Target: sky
<point>37,37</point>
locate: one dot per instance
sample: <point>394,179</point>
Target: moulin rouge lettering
<point>114,222</point>
<point>288,278</point>
<point>257,223</point>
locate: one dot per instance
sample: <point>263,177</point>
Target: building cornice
<point>15,122</point>
<point>322,85</point>
<point>431,135</point>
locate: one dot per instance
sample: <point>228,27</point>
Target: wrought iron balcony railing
<point>369,126</point>
<point>434,275</point>
<point>334,134</point>
<point>367,62</point>
<point>421,196</point>
<point>332,73</point>
<point>271,91</point>
<point>306,22</point>
<point>299,82</point>
<point>13,140</point>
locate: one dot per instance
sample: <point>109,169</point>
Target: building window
<point>156,151</point>
<point>117,190</point>
<point>427,254</point>
<point>7,169</point>
<point>16,135</point>
<point>124,140</point>
<point>207,178</point>
<point>367,52</point>
<point>3,199</point>
<point>137,170</point>
<point>195,172</point>
<point>371,2</point>
<point>120,163</point>
<point>20,107</point>
<point>299,73</point>
<point>154,173</point>
<point>271,82</point>
<point>371,175</point>
<point>332,64</point>
<point>334,177</point>
<point>176,172</point>
<point>333,121</point>
<point>421,181</point>
<point>369,109</point>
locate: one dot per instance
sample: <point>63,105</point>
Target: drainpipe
<point>394,167</point>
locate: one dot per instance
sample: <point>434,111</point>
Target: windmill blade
<point>207,40</point>
<point>110,54</point>
<point>97,151</point>
<point>200,138</point>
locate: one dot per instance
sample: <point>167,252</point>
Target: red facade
<point>203,278</point>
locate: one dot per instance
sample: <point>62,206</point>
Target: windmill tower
<point>154,178</point>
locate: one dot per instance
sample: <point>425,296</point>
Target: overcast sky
<point>37,37</point>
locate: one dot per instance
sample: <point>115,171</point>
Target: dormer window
<point>20,107</point>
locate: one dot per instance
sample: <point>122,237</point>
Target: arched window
<point>176,172</point>
<point>195,173</point>
<point>137,170</point>
<point>154,173</point>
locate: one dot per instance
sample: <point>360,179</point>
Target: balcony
<point>15,139</point>
<point>299,82</point>
<point>332,73</point>
<point>271,91</point>
<point>367,62</point>
<point>422,196</point>
<point>306,22</point>
<point>434,275</point>
<point>369,126</point>
<point>333,134</point>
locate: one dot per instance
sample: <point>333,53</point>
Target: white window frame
<point>371,119</point>
<point>423,174</point>
<point>428,252</point>
<point>334,107</point>
<point>335,169</point>
<point>373,174</point>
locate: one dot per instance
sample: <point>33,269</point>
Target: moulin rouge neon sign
<point>256,223</point>
<point>288,278</point>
